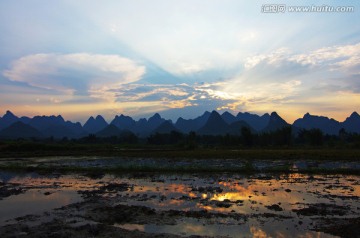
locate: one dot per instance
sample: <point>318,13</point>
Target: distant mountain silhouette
<point>8,119</point>
<point>109,131</point>
<point>275,123</point>
<point>94,125</point>
<point>141,128</point>
<point>56,126</point>
<point>144,127</point>
<point>25,120</point>
<point>47,125</point>
<point>186,126</point>
<point>325,124</point>
<point>208,123</point>
<point>76,128</point>
<point>352,123</point>
<point>113,131</point>
<point>228,117</point>
<point>155,121</point>
<point>215,125</point>
<point>235,127</point>
<point>165,128</point>
<point>20,130</point>
<point>41,123</point>
<point>123,122</point>
<point>58,131</point>
<point>255,121</point>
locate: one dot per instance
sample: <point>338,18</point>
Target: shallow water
<point>266,205</point>
<point>194,227</point>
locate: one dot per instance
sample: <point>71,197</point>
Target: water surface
<point>260,205</point>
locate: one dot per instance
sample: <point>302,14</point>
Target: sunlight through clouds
<point>173,57</point>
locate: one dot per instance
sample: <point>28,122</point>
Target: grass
<point>247,168</point>
<point>247,156</point>
<point>171,152</point>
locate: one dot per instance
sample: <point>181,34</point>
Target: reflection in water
<point>34,201</point>
<point>257,232</point>
<point>194,227</point>
<point>228,194</point>
<point>232,196</point>
<point>40,193</point>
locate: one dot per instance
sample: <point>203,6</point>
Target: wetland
<point>111,197</point>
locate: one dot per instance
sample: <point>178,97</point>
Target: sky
<point>179,58</point>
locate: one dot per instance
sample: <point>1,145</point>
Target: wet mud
<point>179,205</point>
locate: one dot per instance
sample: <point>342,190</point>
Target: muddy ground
<point>190,205</point>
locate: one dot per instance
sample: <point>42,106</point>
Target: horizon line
<point>137,118</point>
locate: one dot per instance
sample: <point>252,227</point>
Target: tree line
<point>282,137</point>
<point>285,137</point>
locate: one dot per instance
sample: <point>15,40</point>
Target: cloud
<point>151,92</point>
<point>335,65</point>
<point>344,57</point>
<point>80,73</point>
<point>204,96</point>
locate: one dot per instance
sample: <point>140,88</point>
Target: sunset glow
<point>83,58</point>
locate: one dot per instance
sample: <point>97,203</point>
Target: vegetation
<point>280,144</point>
<point>282,138</point>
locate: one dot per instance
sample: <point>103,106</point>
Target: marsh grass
<point>265,154</point>
<point>23,156</point>
<point>247,168</point>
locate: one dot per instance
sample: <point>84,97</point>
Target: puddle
<point>35,202</point>
<point>39,193</point>
<point>192,227</point>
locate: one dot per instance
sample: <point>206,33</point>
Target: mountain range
<point>209,123</point>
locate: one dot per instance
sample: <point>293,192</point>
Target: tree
<point>246,136</point>
<point>313,137</point>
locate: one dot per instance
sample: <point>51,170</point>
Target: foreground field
<point>39,149</point>
<point>143,204</point>
<point>203,193</point>
<point>283,161</point>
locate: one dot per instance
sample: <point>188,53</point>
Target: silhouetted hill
<point>58,132</point>
<point>165,128</point>
<point>94,125</point>
<point>215,125</point>
<point>144,127</point>
<point>228,117</point>
<point>275,123</point>
<point>41,123</point>
<point>8,119</point>
<point>352,123</point>
<point>76,128</point>
<point>25,120</point>
<point>47,125</point>
<point>325,124</point>
<point>140,128</point>
<point>109,131</point>
<point>255,121</point>
<point>235,127</point>
<point>207,124</point>
<point>56,126</point>
<point>123,122</point>
<point>20,130</point>
<point>186,126</point>
<point>154,121</point>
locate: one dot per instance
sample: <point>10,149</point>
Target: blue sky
<point>179,58</point>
